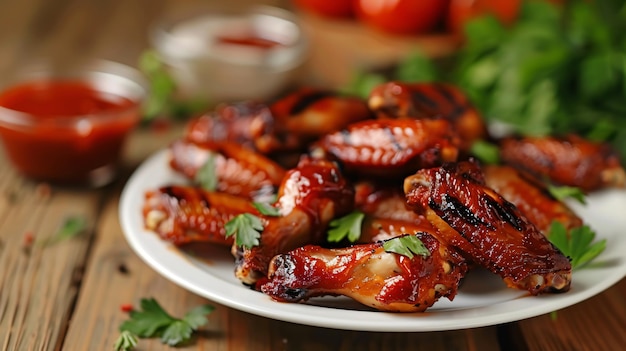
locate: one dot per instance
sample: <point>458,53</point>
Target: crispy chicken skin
<point>486,228</point>
<point>530,198</point>
<point>310,196</point>
<point>429,101</point>
<point>182,214</point>
<point>570,160</point>
<point>368,274</point>
<point>392,147</point>
<point>239,170</point>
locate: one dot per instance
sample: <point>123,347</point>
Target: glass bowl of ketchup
<point>69,125</point>
<point>220,53</point>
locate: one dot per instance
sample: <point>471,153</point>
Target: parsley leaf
<point>177,332</point>
<point>207,175</point>
<point>148,322</point>
<point>162,85</point>
<point>486,152</point>
<point>72,226</point>
<point>153,321</point>
<point>562,192</point>
<point>247,229</point>
<point>577,245</point>
<point>363,83</point>
<point>266,209</point>
<point>125,342</point>
<point>197,316</point>
<point>347,226</point>
<point>406,245</point>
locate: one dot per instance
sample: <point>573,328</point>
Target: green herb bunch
<point>558,70</point>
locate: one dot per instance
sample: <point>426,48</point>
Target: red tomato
<point>327,8</point>
<point>461,11</point>
<point>401,16</point>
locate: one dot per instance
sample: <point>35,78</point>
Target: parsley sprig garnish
<point>347,226</point>
<point>246,228</point>
<point>126,341</point>
<point>406,245</point>
<point>486,152</point>
<point>578,245</point>
<point>152,321</point>
<point>563,192</point>
<point>206,176</point>
<point>163,99</point>
<point>266,209</point>
<point>71,227</point>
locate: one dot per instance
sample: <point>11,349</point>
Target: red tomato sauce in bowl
<point>72,129</point>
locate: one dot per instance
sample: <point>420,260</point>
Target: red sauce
<point>66,129</point>
<point>252,41</point>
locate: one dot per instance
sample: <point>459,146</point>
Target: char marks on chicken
<point>368,274</point>
<point>486,228</point>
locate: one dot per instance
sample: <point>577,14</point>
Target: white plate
<point>482,300</point>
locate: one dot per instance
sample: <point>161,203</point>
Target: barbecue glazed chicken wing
<point>391,147</point>
<point>311,113</point>
<point>368,274</point>
<point>182,214</point>
<point>486,228</point>
<point>310,196</point>
<point>250,124</point>
<point>570,161</point>
<point>531,198</point>
<point>287,126</point>
<point>238,170</point>
<point>429,101</point>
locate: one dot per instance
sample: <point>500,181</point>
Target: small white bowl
<point>211,53</point>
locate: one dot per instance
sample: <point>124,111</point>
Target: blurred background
<point>68,30</point>
<point>541,67</point>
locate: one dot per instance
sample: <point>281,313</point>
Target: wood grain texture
<point>39,281</point>
<point>596,324</point>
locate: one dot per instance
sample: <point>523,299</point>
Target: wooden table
<point>67,296</point>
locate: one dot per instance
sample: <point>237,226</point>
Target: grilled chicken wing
<point>569,161</point>
<point>310,113</point>
<point>249,124</point>
<point>392,147</point>
<point>310,196</point>
<point>486,228</point>
<point>368,274</point>
<point>287,125</point>
<point>531,198</point>
<point>429,101</point>
<point>181,214</point>
<point>238,170</point>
